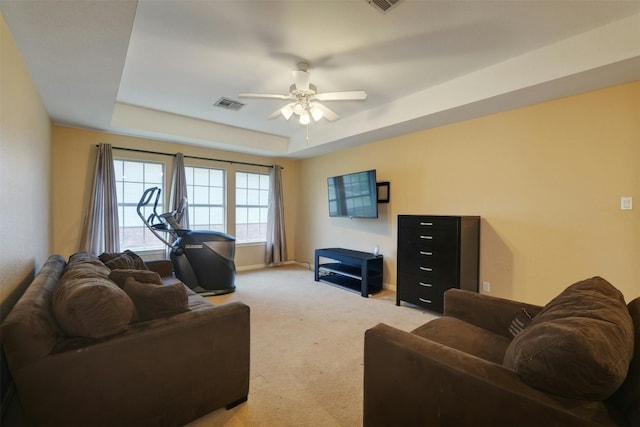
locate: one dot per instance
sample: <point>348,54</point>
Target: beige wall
<point>546,179</point>
<point>25,167</point>
<point>74,154</point>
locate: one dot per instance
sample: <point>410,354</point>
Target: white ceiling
<point>154,68</point>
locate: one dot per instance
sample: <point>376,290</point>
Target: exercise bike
<point>202,260</point>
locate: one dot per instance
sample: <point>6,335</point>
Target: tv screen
<point>353,195</point>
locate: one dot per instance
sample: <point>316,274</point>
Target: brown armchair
<point>466,368</point>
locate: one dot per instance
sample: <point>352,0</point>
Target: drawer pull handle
<point>426,268</point>
<point>428,224</point>
<point>426,285</point>
<point>426,237</point>
<point>426,253</point>
<point>428,301</point>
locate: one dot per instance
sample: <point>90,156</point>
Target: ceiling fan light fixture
<point>298,108</point>
<point>316,113</point>
<point>287,111</point>
<point>304,118</point>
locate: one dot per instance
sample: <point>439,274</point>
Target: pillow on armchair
<point>579,346</point>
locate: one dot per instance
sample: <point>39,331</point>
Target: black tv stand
<point>355,270</point>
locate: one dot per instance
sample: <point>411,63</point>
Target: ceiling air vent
<point>383,6</point>
<point>229,104</point>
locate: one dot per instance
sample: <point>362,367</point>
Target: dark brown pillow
<point>119,276</point>
<point>519,323</point>
<point>125,260</point>
<point>154,302</point>
<point>91,307</point>
<point>579,346</point>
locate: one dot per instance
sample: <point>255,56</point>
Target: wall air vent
<point>228,104</point>
<point>383,6</point>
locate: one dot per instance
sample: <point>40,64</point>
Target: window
<point>206,197</point>
<point>252,202</point>
<point>132,178</point>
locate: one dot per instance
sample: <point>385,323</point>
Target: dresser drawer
<point>427,271</point>
<point>413,283</point>
<point>422,293</point>
<point>426,223</point>
<point>444,256</point>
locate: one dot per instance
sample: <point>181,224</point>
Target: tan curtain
<point>179,189</point>
<point>276,251</point>
<point>100,232</point>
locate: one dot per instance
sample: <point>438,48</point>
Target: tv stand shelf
<point>357,271</point>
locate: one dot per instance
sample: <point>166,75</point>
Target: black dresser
<point>436,253</point>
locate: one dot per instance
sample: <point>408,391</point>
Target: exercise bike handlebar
<point>146,198</point>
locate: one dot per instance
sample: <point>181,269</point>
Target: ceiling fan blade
<point>327,113</point>
<point>275,114</point>
<point>301,79</point>
<point>341,96</point>
<point>264,95</point>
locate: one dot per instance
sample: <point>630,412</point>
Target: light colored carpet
<point>307,348</point>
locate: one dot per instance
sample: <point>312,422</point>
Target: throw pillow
<point>153,302</point>
<point>519,323</point>
<point>579,346</point>
<point>119,276</point>
<point>91,307</point>
<point>125,260</point>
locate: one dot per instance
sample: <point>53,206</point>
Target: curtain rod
<point>192,157</point>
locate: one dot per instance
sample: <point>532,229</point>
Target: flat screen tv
<point>353,195</point>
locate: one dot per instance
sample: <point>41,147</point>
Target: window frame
<point>191,205</point>
<point>263,209</point>
<point>125,204</point>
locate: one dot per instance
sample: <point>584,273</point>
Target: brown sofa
<point>86,349</point>
<point>491,361</point>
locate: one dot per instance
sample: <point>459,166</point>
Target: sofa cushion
<point>91,307</point>
<point>153,301</point>
<point>119,276</point>
<point>579,346</point>
<point>463,336</point>
<point>83,264</point>
<point>124,260</point>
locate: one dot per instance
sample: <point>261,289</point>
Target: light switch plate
<point>626,203</point>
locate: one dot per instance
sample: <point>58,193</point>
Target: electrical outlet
<point>626,203</point>
<point>486,287</point>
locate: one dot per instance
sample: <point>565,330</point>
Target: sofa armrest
<point>168,373</point>
<point>163,267</point>
<point>410,380</point>
<point>485,311</point>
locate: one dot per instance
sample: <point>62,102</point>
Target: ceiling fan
<point>305,97</point>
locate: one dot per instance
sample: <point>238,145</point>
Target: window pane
<point>264,197</point>
<point>153,173</point>
<point>241,180</point>
<point>133,192</point>
<point>253,180</point>
<point>216,196</point>
<point>134,171</point>
<point>206,194</point>
<point>132,178</point>
<point>253,197</point>
<point>217,178</point>
<point>200,176</point>
<point>252,200</point>
<point>200,196</point>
